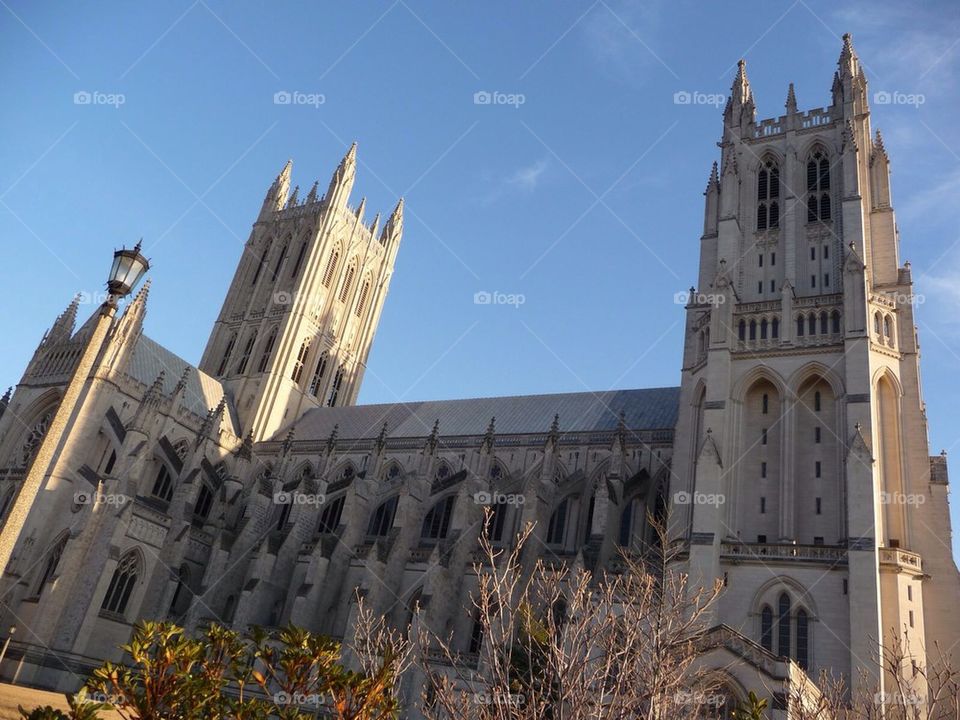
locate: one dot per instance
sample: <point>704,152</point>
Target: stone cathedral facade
<point>792,458</point>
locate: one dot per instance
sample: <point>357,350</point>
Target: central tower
<point>801,444</point>
<point>299,318</point>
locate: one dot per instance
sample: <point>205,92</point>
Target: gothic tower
<point>801,449</point>
<point>299,318</point>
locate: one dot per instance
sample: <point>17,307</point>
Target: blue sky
<point>586,198</point>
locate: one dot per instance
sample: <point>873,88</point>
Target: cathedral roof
<point>645,409</point>
<point>202,392</point>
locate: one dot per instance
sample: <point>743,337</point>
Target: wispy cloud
<point>524,179</point>
<point>527,178</point>
<point>621,35</point>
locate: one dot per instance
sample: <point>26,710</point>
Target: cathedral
<point>792,461</point>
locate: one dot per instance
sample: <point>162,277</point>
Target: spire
<point>740,91</point>
<point>277,193</point>
<point>149,404</point>
<point>850,82</point>
<point>361,208</point>
<point>714,179</point>
<point>434,436</point>
<point>621,435</point>
<point>5,401</point>
<point>292,200</point>
<point>488,438</point>
<point>382,438</point>
<point>553,436</point>
<point>394,227</point>
<point>312,196</point>
<point>245,451</point>
<point>342,179</point>
<point>848,57</point>
<point>287,443</point>
<point>182,382</point>
<point>211,423</point>
<point>791,103</point>
<point>132,320</point>
<point>332,440</point>
<point>375,226</point>
<point>878,147</point>
<point>65,323</point>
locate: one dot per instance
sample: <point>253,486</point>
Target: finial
<point>292,200</point>
<point>245,451</point>
<point>791,103</point>
<point>714,179</point>
<point>288,440</point>
<point>857,426</point>
<point>434,435</point>
<point>489,436</point>
<point>136,248</point>
<point>555,425</point>
<point>312,195</point>
<point>382,437</point>
<point>878,143</point>
<point>332,440</point>
<point>5,401</point>
<point>182,382</point>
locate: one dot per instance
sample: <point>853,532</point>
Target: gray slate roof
<point>646,409</point>
<point>202,393</point>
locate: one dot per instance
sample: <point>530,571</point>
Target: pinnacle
<point>791,103</point>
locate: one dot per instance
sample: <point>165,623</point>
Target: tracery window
<point>768,196</point>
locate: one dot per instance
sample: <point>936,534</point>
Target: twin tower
<point>299,318</point>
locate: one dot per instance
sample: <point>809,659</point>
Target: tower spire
<point>342,181</point>
<point>65,323</point>
<point>791,103</point>
<point>394,227</point>
<point>740,107</point>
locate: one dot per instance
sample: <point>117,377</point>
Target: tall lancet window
<point>818,187</point>
<point>768,196</point>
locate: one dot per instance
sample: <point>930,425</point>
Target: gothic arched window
<point>347,282</point>
<point>818,187</point>
<point>382,519</point>
<point>766,628</point>
<point>557,529</point>
<point>803,639</point>
<point>260,264</point>
<point>299,261</point>
<point>50,566</point>
<point>436,523</point>
<point>318,374</point>
<point>775,328</point>
<point>330,516</point>
<point>34,438</point>
<point>280,258</point>
<point>823,323</point>
<point>163,485</point>
<point>335,387</point>
<point>742,330</point>
<point>267,350</point>
<point>226,354</point>
<point>783,626</point>
<point>245,357</point>
<point>300,361</point>
<point>121,584</point>
<point>768,193</point>
<point>201,510</point>
<point>331,267</point>
<point>800,326</point>
<point>362,300</point>
<point>835,322</point>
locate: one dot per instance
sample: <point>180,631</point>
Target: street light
<point>128,267</point>
<point>6,644</point>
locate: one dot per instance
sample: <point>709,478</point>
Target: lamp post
<point>6,643</point>
<point>129,266</point>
